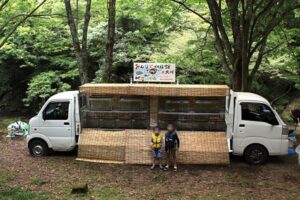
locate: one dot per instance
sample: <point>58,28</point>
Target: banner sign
<point>154,72</point>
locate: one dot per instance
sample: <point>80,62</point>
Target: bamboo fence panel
<point>155,90</point>
<point>102,145</point>
<point>133,147</point>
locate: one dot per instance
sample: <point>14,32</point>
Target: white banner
<point>154,72</point>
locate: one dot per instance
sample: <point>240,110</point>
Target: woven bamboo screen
<point>155,90</point>
<point>133,147</point>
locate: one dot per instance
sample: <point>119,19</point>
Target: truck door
<point>257,123</point>
<point>56,124</point>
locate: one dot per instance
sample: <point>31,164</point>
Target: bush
<point>44,85</point>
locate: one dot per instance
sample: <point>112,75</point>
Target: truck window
<point>82,100</point>
<point>228,102</point>
<point>56,111</point>
<point>258,112</point>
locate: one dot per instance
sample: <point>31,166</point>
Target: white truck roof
<point>247,96</point>
<point>64,95</point>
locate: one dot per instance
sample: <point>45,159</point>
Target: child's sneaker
<point>161,166</point>
<point>166,167</point>
<point>175,168</point>
<point>153,166</point>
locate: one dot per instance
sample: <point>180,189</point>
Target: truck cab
<point>56,126</point>
<point>254,128</point>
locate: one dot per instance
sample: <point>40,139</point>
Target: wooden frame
<point>153,111</point>
<point>116,117</point>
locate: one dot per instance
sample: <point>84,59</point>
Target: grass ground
<point>24,177</point>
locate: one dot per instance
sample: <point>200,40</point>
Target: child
<point>156,143</point>
<point>171,145</point>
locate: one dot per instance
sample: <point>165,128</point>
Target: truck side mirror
<point>44,116</point>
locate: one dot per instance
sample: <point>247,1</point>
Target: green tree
<point>44,85</point>
<point>11,20</point>
<point>241,30</point>
<point>40,45</point>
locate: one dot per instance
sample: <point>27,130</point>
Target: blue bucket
<point>291,152</point>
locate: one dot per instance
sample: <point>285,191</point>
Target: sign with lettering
<point>154,72</point>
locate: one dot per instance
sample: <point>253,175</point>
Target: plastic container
<point>292,138</point>
<point>291,152</point>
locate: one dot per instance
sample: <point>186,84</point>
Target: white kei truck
<point>254,129</point>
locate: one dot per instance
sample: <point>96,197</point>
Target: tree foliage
<point>241,30</point>
<point>44,85</point>
<point>203,38</point>
<point>11,20</point>
<point>40,45</point>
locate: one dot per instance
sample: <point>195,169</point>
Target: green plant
<point>159,178</point>
<point>109,194</point>
<point>19,194</point>
<point>5,177</point>
<point>43,85</point>
<point>37,181</point>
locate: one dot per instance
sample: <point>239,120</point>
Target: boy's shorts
<point>156,153</point>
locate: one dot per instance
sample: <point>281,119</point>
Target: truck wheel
<point>38,148</point>
<point>256,154</point>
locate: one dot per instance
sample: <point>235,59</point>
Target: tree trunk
<point>82,58</point>
<point>110,40</point>
<point>83,64</point>
<point>236,80</point>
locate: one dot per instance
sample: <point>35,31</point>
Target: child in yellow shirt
<point>156,144</point>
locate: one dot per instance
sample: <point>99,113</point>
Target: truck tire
<point>256,154</point>
<point>38,148</point>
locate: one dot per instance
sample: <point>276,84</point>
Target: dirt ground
<point>54,176</point>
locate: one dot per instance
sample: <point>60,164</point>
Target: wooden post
<point>153,111</point>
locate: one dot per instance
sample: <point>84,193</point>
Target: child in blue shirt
<point>171,146</point>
